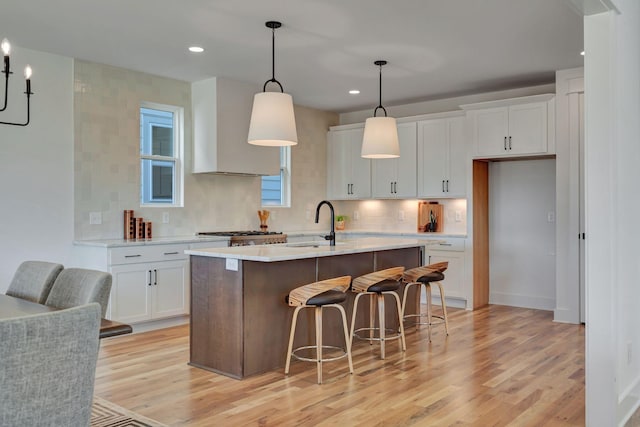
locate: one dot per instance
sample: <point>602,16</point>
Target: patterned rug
<point>107,414</point>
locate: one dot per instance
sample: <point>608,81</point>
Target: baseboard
<point>628,402</point>
<point>454,302</point>
<point>524,301</point>
<point>563,315</point>
<point>152,325</point>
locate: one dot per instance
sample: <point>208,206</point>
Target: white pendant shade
<point>273,122</point>
<point>380,139</point>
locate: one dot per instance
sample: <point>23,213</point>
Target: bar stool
<point>377,285</point>
<point>426,275</point>
<point>319,295</point>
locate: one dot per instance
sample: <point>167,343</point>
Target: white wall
<point>521,237</point>
<point>612,175</point>
<point>36,165</point>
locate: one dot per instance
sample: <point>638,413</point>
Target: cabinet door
<point>170,289</point>
<point>528,128</point>
<point>359,168</point>
<point>406,165</point>
<point>338,158</point>
<point>491,128</point>
<point>348,174</point>
<point>458,153</point>
<point>454,276</point>
<point>396,178</point>
<point>130,293</point>
<point>432,157</point>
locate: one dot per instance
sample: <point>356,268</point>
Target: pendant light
<point>380,139</point>
<point>273,122</point>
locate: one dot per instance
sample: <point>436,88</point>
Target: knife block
<point>424,213</point>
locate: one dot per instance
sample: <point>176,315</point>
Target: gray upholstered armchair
<point>77,286</point>
<point>33,280</point>
<point>47,367</point>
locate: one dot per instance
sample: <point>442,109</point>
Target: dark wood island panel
<point>240,321</point>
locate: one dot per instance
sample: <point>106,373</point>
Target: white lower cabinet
<point>451,250</point>
<point>150,291</point>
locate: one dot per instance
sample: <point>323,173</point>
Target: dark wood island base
<point>240,321</point>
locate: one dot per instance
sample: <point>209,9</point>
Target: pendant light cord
<point>380,64</point>
<point>273,25</point>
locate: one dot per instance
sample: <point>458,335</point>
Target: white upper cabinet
<point>221,115</point>
<point>348,174</point>
<point>442,158</point>
<point>513,127</point>
<point>396,178</point>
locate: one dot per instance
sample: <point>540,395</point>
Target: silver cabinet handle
<point>132,256</point>
<point>509,143</point>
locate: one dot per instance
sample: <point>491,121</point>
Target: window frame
<point>285,180</point>
<point>177,159</point>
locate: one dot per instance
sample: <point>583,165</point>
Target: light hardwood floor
<point>500,366</point>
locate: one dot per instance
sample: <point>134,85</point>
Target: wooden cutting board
<point>425,209</point>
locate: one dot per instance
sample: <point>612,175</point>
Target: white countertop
<point>292,251</point>
<point>115,243</point>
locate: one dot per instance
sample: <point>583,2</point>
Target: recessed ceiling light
<point>354,91</point>
<point>196,49</point>
<point>582,53</point>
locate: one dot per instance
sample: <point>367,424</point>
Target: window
<point>276,189</point>
<point>160,155</point>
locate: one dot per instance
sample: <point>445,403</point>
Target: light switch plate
<point>95,218</point>
<point>165,217</point>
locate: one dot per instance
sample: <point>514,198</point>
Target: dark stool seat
<point>328,297</point>
<point>434,276</point>
<point>319,295</point>
<point>425,276</point>
<point>377,285</point>
<point>384,286</point>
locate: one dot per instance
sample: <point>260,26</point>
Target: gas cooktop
<point>238,233</point>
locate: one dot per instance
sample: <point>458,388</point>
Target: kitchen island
<point>239,319</point>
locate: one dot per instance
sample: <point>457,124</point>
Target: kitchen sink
<point>317,244</point>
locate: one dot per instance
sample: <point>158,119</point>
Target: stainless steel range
<point>247,238</point>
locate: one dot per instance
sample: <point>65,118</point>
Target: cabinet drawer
<point>456,245</point>
<point>139,254</point>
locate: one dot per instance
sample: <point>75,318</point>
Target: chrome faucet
<point>332,235</point>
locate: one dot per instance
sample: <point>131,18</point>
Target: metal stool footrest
<point>440,319</point>
<point>324,347</point>
<point>394,334</point>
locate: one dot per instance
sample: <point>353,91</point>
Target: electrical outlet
<point>95,218</point>
<point>165,217</point>
<point>551,216</point>
<point>356,215</point>
<point>400,215</point>
<point>307,214</point>
<point>458,216</point>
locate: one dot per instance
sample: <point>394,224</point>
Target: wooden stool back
<point>362,283</point>
<point>414,274</point>
<point>300,296</point>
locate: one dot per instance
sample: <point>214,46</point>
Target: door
<point>170,291</point>
<point>338,158</point>
<point>582,266</point>
<point>491,127</point>
<point>130,293</point>
<point>359,168</point>
<point>527,128</point>
<point>457,176</point>
<point>453,276</point>
<point>432,156</point>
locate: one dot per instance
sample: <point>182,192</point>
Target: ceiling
<point>435,48</point>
